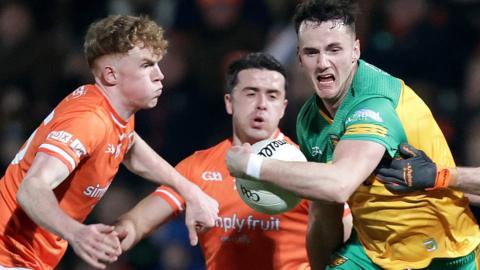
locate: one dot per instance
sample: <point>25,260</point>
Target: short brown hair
<point>121,33</point>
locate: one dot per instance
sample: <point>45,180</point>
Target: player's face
<point>257,103</point>
<point>140,78</point>
<point>328,53</point>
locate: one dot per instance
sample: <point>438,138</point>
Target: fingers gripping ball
<point>266,197</point>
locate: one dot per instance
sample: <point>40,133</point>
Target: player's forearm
<point>41,205</point>
<point>473,198</point>
<point>142,160</point>
<point>325,233</point>
<point>161,172</point>
<point>316,181</point>
<point>465,179</point>
<point>133,234</point>
<point>145,217</point>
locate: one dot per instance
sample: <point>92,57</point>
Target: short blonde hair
<point>118,34</point>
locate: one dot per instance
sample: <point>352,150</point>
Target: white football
<point>266,197</point>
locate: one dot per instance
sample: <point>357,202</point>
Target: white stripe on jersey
<point>117,122</point>
<point>60,151</point>
<point>175,200</point>
<point>12,268</point>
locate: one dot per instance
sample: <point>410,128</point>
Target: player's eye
<point>310,52</point>
<point>250,93</point>
<point>335,49</point>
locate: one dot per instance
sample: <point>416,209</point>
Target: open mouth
<point>327,78</point>
<point>258,121</point>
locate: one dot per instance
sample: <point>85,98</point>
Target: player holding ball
<point>242,238</point>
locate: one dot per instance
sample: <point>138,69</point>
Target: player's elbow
<point>341,193</point>
<point>334,194</point>
<point>29,191</point>
<point>340,197</point>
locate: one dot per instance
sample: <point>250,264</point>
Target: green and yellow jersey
<point>398,231</point>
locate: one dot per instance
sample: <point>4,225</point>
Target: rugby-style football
<point>266,197</point>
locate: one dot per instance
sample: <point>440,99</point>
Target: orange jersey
<point>242,238</point>
<point>90,138</point>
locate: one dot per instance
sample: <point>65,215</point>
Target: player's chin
<point>152,104</point>
<point>257,134</point>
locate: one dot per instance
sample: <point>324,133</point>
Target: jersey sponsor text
<point>95,191</point>
<point>249,223</point>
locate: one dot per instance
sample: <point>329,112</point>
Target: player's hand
<point>125,236</point>
<point>237,160</point>
<point>96,244</point>
<point>200,214</point>
<point>414,171</point>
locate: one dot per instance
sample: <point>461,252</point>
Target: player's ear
<point>106,70</point>
<point>285,103</point>
<point>298,56</point>
<point>228,103</point>
<point>109,75</point>
<point>356,51</point>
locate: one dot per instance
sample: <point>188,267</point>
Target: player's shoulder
<point>86,98</point>
<point>204,160</point>
<point>307,107</point>
<point>372,81</point>
<point>213,152</point>
<point>85,102</point>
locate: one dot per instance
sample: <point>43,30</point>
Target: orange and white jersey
<point>241,238</point>
<point>91,139</point>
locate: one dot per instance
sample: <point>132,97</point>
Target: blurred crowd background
<point>434,46</point>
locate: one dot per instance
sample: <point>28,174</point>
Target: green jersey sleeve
<point>375,120</point>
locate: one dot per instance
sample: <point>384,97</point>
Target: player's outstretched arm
<point>201,210</point>
<point>353,162</point>
<point>416,171</point>
<point>142,219</point>
<point>473,198</point>
<point>96,244</point>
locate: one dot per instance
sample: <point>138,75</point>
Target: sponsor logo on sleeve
<point>78,148</point>
<point>365,115</point>
<point>67,138</point>
<point>61,136</point>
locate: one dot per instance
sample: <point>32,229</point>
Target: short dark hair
<point>325,10</point>
<point>257,60</point>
